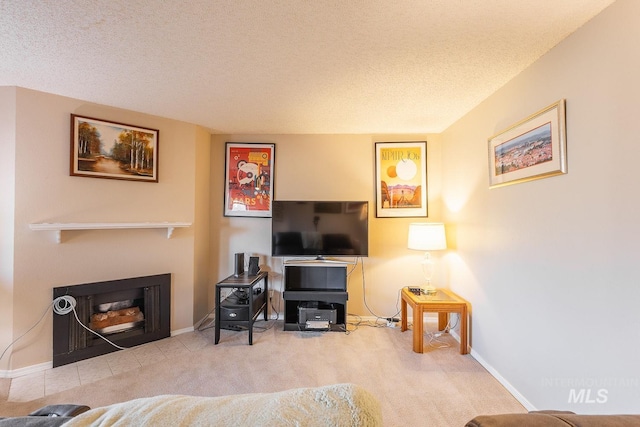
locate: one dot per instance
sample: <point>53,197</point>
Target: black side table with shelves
<point>318,288</point>
<point>241,308</point>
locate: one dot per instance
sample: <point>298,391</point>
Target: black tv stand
<point>317,260</point>
<point>241,308</point>
<point>307,282</point>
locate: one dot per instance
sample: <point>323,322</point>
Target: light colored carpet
<point>437,388</point>
<point>5,383</point>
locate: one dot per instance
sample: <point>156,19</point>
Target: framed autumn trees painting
<point>102,149</point>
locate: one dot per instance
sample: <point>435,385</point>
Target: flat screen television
<point>320,229</point>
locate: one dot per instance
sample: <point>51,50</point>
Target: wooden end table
<point>443,302</point>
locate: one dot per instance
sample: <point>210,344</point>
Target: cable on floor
<point>28,330</point>
<point>364,297</point>
<point>62,306</point>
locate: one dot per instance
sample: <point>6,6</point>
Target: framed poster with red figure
<point>248,179</point>
<point>401,179</point>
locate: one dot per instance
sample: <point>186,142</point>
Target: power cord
<point>434,340</point>
<point>28,330</point>
<point>360,322</point>
<point>200,326</point>
<point>66,304</point>
<point>387,320</point>
<point>61,306</point>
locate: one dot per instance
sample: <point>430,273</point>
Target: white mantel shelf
<point>66,226</point>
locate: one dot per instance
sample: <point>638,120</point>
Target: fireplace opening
<point>114,315</point>
<point>118,316</point>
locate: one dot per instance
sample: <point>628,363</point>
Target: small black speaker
<point>238,269</point>
<point>253,266</point>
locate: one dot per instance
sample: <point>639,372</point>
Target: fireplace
<point>128,312</point>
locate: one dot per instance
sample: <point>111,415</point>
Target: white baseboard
<point>354,319</point>
<point>15,373</point>
<point>182,331</point>
<point>495,374</point>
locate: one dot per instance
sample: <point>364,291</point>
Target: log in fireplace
<point>127,312</point>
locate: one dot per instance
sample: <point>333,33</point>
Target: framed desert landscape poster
<point>248,179</point>
<point>401,179</point>
<point>104,149</point>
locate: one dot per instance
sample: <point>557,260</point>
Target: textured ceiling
<point>283,66</point>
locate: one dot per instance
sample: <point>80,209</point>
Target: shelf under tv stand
<point>325,283</point>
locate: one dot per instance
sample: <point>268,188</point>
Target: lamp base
<point>429,287</point>
<point>429,290</point>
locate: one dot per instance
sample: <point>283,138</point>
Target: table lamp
<point>427,236</point>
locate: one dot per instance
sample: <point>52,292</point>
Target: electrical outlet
<point>393,322</point>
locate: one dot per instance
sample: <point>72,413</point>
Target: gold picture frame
<point>401,179</point>
<point>533,148</point>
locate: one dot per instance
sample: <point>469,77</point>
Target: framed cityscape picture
<point>533,148</point>
<point>248,179</point>
<point>401,179</point>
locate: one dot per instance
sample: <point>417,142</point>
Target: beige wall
<point>201,223</point>
<point>44,192</point>
<point>551,266</point>
<point>7,196</point>
<point>327,167</point>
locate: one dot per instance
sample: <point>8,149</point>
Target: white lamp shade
<point>427,236</point>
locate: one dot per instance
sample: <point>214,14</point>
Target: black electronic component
<point>415,290</point>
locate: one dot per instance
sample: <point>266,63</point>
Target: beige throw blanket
<point>333,405</point>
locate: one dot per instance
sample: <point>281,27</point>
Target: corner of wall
<point>7,215</point>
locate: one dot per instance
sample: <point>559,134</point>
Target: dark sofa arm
<point>63,410</point>
<point>47,416</point>
<point>554,418</point>
<point>531,419</point>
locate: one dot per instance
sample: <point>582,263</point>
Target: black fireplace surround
<point>149,297</point>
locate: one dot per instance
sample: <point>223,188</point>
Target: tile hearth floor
<point>40,384</point>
